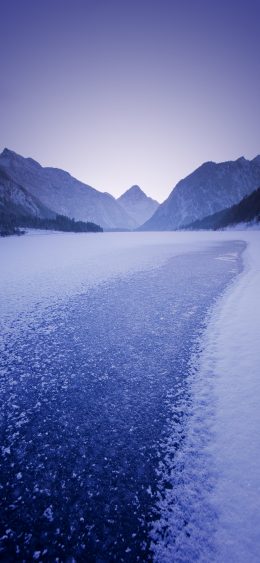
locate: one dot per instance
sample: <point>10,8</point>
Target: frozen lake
<point>98,333</point>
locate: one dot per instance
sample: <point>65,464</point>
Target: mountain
<point>18,208</point>
<point>138,205</point>
<point>245,211</point>
<point>18,201</point>
<point>209,189</point>
<point>59,191</point>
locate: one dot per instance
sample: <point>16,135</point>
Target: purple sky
<point>122,92</point>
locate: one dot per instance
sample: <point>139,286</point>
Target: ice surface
<point>42,267</point>
<point>115,396</point>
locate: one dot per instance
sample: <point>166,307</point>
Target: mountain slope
<point>245,211</point>
<point>63,194</point>
<point>14,199</point>
<point>18,208</point>
<point>209,189</point>
<point>138,205</point>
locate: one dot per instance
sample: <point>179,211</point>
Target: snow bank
<point>209,491</point>
<point>252,225</point>
<point>233,353</point>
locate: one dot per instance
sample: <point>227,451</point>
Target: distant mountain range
<point>209,189</point>
<point>138,206</point>
<point>28,189</point>
<point>246,211</point>
<point>47,191</point>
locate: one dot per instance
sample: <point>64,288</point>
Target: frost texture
<point>102,406</point>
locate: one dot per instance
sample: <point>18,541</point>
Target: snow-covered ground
<point>209,484</point>
<point>219,490</point>
<point>232,355</point>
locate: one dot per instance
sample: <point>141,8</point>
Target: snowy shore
<point>210,508</point>
<point>233,354</point>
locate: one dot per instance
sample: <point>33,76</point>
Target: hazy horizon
<point>121,93</point>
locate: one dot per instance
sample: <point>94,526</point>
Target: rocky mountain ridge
<point>210,188</point>
<point>63,194</point>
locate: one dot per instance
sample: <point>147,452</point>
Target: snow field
<point>209,509</point>
<point>233,356</point>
